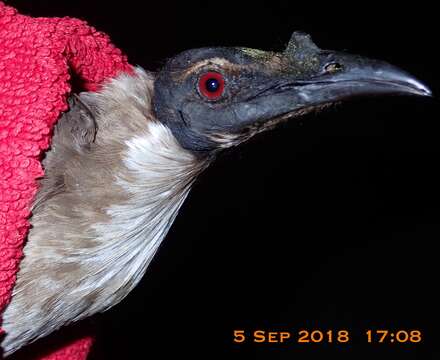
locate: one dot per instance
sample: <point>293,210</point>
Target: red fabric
<point>36,56</point>
<point>76,350</point>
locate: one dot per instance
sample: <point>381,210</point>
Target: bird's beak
<point>310,78</point>
<point>355,76</point>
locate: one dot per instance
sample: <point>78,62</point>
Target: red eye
<point>212,85</point>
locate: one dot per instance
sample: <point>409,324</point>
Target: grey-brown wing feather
<point>73,134</point>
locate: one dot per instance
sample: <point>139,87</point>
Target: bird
<point>123,160</point>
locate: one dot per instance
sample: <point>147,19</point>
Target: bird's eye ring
<point>333,67</point>
<point>212,85</point>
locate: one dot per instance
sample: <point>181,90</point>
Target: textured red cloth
<point>36,57</point>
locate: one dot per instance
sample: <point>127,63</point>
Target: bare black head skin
<point>123,159</point>
<point>213,98</point>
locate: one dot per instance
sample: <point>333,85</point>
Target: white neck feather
<point>160,175</point>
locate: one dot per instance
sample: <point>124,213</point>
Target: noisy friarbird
<point>123,160</point>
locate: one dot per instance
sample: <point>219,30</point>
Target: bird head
<point>214,98</point>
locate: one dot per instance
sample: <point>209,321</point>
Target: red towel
<point>36,57</point>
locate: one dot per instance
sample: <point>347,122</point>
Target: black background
<point>331,222</point>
